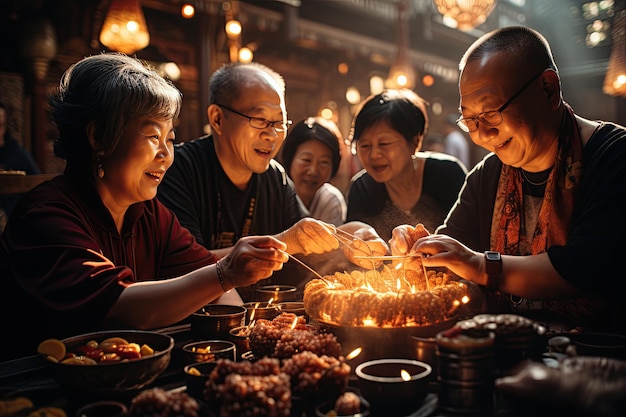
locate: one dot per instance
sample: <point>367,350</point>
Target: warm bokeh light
<point>343,68</point>
<point>245,55</point>
<point>353,96</point>
<point>187,11</point>
<point>326,113</point>
<point>377,84</point>
<point>170,70</point>
<point>233,28</point>
<point>428,80</point>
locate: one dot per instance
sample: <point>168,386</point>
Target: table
<point>32,375</point>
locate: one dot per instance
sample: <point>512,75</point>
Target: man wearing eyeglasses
<point>539,222</point>
<point>227,185</point>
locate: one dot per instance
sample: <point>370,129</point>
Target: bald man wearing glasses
<point>227,185</point>
<point>539,222</point>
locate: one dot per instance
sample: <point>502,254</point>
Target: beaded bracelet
<point>220,275</point>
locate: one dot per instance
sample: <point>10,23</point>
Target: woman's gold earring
<point>99,168</point>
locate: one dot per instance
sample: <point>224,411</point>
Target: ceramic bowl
<point>295,307</point>
<point>276,293</point>
<point>103,409</point>
<point>260,310</point>
<point>214,321</point>
<point>600,344</point>
<point>114,378</point>
<point>240,336</point>
<point>196,377</point>
<point>381,382</point>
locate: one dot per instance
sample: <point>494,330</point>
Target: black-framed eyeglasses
<point>493,117</point>
<point>261,123</point>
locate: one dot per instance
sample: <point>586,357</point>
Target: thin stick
<point>425,274</point>
<point>314,272</point>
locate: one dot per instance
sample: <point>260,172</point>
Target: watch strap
<point>493,267</point>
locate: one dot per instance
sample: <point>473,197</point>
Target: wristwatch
<point>493,267</point>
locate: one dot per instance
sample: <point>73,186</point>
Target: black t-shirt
<point>443,179</point>
<point>592,257</point>
<point>207,203</point>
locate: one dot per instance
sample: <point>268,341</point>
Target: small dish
<point>103,409</point>
<point>214,321</point>
<point>209,351</point>
<point>393,386</point>
<point>276,293</point>
<point>240,336</point>
<point>260,310</point>
<point>196,377</point>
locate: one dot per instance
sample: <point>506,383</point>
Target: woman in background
<point>311,155</point>
<point>398,184</point>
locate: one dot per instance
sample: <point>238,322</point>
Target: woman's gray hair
<point>108,90</point>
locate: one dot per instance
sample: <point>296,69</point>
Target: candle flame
<point>399,266</point>
<point>356,352</point>
<point>295,322</point>
<point>398,285</point>
<point>405,375</point>
<point>369,322</point>
<point>270,301</point>
<point>465,299</point>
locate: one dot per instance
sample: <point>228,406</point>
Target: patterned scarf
<point>553,222</point>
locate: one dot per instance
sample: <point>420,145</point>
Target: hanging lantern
<point>38,45</point>
<point>124,29</point>
<point>615,78</point>
<point>465,14</point>
<point>401,74</point>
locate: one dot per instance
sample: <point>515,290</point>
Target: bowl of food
<point>108,363</point>
<point>260,310</point>
<point>295,307</point>
<point>209,351</point>
<point>393,386</point>
<point>196,377</point>
<point>600,344</point>
<point>240,336</point>
<point>214,321</point>
<point>276,293</point>
<point>103,409</point>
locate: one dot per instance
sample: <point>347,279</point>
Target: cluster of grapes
<point>256,395</point>
<point>348,403</point>
<point>313,375</point>
<point>156,402</point>
<point>249,388</point>
<point>225,367</point>
<point>265,333</point>
<point>296,341</point>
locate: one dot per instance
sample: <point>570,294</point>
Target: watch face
<point>492,256</point>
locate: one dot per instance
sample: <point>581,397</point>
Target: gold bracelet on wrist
<point>220,275</point>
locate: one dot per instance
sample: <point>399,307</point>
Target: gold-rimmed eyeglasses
<point>261,123</point>
<point>493,117</point>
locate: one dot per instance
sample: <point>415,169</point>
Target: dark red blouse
<point>55,273</point>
